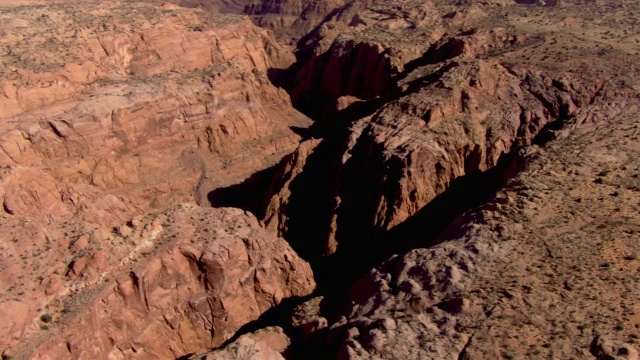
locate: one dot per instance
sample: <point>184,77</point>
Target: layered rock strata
<point>471,100</point>
<point>112,111</point>
<point>161,286</point>
<point>553,255</point>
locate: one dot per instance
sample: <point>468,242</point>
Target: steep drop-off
<point>552,255</point>
<point>183,281</point>
<point>155,94</point>
<point>110,112</point>
<point>460,110</point>
<point>453,113</point>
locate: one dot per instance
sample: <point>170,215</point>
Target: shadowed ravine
<point>311,205</point>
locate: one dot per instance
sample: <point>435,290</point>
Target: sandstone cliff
<point>466,104</point>
<point>536,270</point>
<point>472,163</point>
<point>291,19</point>
<point>552,256</point>
<point>108,112</point>
<point>268,344</point>
<point>151,94</point>
<point>169,285</point>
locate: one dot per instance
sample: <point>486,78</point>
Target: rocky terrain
<point>110,112</point>
<point>459,179</point>
<point>553,254</point>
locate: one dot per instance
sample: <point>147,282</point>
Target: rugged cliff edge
<point>470,101</point>
<point>110,112</point>
<point>181,282</point>
<point>130,97</point>
<point>412,134</point>
<point>553,255</point>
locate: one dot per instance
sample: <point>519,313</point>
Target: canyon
<point>319,179</point>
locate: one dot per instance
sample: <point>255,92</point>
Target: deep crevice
<point>248,195</point>
<point>275,316</point>
<point>336,274</point>
<point>312,205</point>
<point>252,193</point>
<point>361,249</point>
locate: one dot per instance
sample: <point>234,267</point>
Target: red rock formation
<point>518,276</point>
<point>451,118</point>
<point>111,111</point>
<point>360,69</point>
<point>146,101</point>
<point>268,344</point>
<point>413,148</point>
<point>193,277</point>
<point>358,50</point>
<point>291,19</point>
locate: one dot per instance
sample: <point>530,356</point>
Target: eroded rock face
<point>291,19</point>
<point>191,278</point>
<point>110,111</point>
<point>268,343</point>
<point>359,49</point>
<point>154,103</point>
<point>128,109</point>
<point>470,100</point>
<point>541,270</point>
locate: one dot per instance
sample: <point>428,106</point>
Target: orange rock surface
<point>173,284</point>
<point>110,111</point>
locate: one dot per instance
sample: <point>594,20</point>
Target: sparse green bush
<point>46,318</point>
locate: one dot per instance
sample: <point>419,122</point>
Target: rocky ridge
<point>388,163</point>
<point>190,278</point>
<point>572,284</point>
<point>468,102</point>
<point>164,79</point>
<point>125,110</point>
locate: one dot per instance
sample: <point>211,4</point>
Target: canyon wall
<point>110,112</point>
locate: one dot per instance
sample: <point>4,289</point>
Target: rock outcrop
<point>151,96</point>
<point>473,165</point>
<point>552,255</point>
<point>358,50</point>
<point>190,279</point>
<point>114,111</point>
<point>268,344</point>
<point>470,101</point>
<point>292,19</point>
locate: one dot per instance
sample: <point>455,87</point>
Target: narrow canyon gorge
<point>295,179</point>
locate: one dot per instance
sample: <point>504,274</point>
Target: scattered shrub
<point>46,318</point>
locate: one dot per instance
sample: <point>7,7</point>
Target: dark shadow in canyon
<point>363,248</point>
<point>252,194</point>
<point>248,195</point>
<point>548,132</point>
<point>312,202</point>
<point>424,229</point>
<point>272,317</point>
<point>360,251</point>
